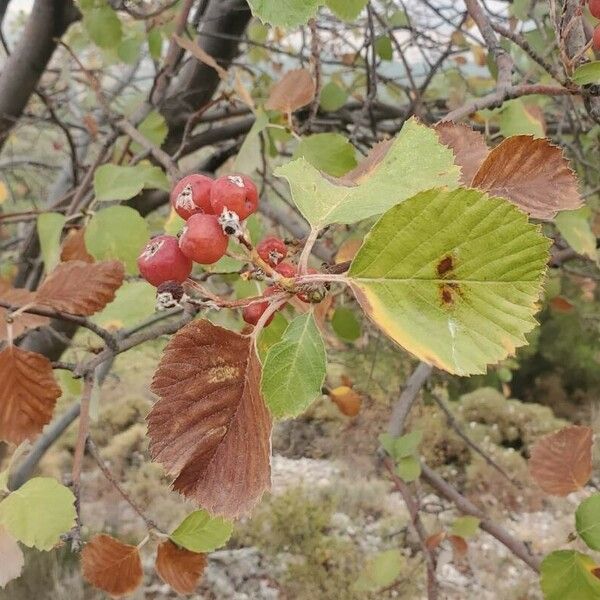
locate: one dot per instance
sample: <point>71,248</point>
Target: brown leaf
<point>348,249</point>
<point>111,565</point>
<point>293,91</point>
<point>347,400</point>
<point>197,52</point>
<point>435,539</point>
<point>178,567</point>
<point>79,288</point>
<point>468,145</point>
<point>22,322</point>
<point>459,545</point>
<point>28,393</point>
<point>73,248</point>
<point>531,173</point>
<point>561,462</point>
<point>561,304</point>
<point>211,429</point>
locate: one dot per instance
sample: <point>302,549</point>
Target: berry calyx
<point>313,295</point>
<point>169,294</point>
<point>203,239</point>
<point>253,312</point>
<point>161,260</point>
<point>272,250</point>
<point>595,8</point>
<point>236,193</point>
<point>191,195</point>
<point>596,38</point>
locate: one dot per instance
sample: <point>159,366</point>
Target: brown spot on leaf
<point>448,293</point>
<point>445,265</point>
<point>596,572</point>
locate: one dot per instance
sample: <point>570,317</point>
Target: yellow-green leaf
<point>566,575</point>
<point>453,276</point>
<point>199,532</point>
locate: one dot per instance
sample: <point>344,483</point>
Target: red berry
<point>272,250</point>
<point>595,8</point>
<point>236,193</point>
<point>191,195</point>
<point>253,312</point>
<point>203,239</point>
<point>286,270</point>
<point>162,260</point>
<point>596,38</point>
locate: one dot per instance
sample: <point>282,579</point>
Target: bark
<point>22,70</point>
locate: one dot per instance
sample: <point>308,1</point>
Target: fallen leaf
<point>11,558</point>
<point>468,145</point>
<point>347,400</point>
<point>561,462</point>
<point>80,288</point>
<point>178,567</point>
<point>22,322</point>
<point>73,248</point>
<point>210,428</point>
<point>531,173</point>
<point>111,565</point>
<point>459,545</point>
<point>435,539</point>
<point>293,91</point>
<point>28,393</point>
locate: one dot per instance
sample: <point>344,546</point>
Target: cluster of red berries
<point>213,210</point>
<point>595,10</point>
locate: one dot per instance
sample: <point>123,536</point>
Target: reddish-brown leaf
<point>468,145</point>
<point>293,91</point>
<point>531,173</point>
<point>111,565</point>
<point>435,539</point>
<point>28,393</point>
<point>80,288</point>
<point>459,545</point>
<point>73,248</point>
<point>561,304</point>
<point>211,429</point>
<point>561,462</point>
<point>23,321</point>
<point>178,567</point>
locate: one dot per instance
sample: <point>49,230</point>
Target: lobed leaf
<point>178,567</point>
<point>294,369</point>
<point>111,565</point>
<point>28,394</point>
<point>210,428</point>
<point>81,288</point>
<point>452,276</point>
<point>531,173</point>
<point>39,512</point>
<point>394,171</point>
<point>561,462</point>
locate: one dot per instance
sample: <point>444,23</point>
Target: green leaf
<point>403,446</point>
<point>383,47</point>
<point>155,43</point>
<point>117,232</point>
<point>39,512</point>
<point>587,521</point>
<point>129,50</point>
<point>566,575</point>
<point>416,161</point>
<point>287,13</point>
<point>331,153</point>
<point>453,276</point>
<point>465,527</point>
<point>588,73</point>
<point>347,10</point>
<point>248,158</point>
<point>575,227</point>
<point>270,335</point>
<point>381,571</point>
<point>134,301</point>
<point>199,532</point>
<point>408,468</point>
<point>294,370</point>
<point>154,128</point>
<point>49,229</point>
<point>103,26</point>
<point>515,119</point>
<point>345,324</point>
<point>333,97</point>
<point>399,19</point>
<point>115,182</point>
